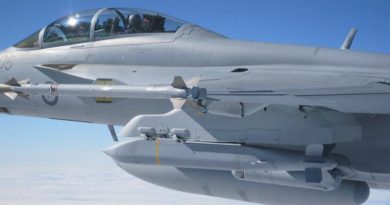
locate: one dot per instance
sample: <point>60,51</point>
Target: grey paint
<point>223,184</point>
<point>286,97</point>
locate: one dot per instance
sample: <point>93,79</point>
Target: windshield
<point>30,42</point>
<point>101,24</point>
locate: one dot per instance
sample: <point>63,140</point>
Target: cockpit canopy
<point>93,25</point>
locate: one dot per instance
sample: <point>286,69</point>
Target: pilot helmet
<point>134,21</point>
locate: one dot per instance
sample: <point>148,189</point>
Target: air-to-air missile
<point>178,89</point>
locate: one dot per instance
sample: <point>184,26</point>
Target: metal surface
<point>212,156</point>
<point>349,39</point>
<point>315,111</point>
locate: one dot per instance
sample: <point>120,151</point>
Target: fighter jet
<point>201,113</point>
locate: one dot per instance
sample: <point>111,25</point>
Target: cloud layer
<point>80,186</point>
<point>100,185</point>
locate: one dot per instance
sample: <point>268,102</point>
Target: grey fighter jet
<point>258,122</point>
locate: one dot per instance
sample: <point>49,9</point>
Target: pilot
<point>146,24</point>
<point>134,22</point>
<point>116,28</point>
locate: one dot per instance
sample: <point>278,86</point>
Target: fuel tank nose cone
<point>110,151</point>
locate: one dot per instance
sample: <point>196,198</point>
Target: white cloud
<point>100,185</point>
<point>79,186</point>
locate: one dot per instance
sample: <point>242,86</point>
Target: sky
<point>55,162</point>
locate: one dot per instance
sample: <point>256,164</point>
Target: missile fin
<point>178,102</point>
<point>179,83</point>
<point>12,82</point>
<point>11,95</point>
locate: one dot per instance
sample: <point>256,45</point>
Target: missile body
<point>116,91</point>
<point>178,89</point>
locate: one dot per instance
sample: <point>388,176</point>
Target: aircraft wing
<point>369,98</point>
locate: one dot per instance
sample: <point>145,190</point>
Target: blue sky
<point>29,142</point>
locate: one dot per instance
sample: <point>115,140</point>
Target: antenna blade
<point>349,39</point>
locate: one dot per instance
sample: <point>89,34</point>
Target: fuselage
<point>185,54</point>
<point>155,58</point>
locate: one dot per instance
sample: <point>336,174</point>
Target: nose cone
<point>121,149</point>
<point>111,152</point>
<point>126,152</point>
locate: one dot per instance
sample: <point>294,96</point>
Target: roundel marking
<point>50,99</point>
